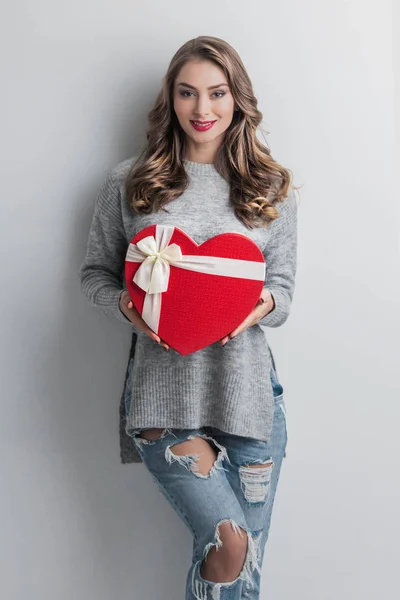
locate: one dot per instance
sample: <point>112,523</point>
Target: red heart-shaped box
<point>198,309</point>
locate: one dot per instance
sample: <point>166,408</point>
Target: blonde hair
<point>257,181</point>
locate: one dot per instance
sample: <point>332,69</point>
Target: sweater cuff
<point>280,313</point>
<point>110,305</point>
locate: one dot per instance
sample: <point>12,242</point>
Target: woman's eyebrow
<point>212,87</point>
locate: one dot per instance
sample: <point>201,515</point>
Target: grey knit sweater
<point>225,387</point>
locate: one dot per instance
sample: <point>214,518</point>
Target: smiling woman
<point>207,81</point>
<point>210,426</point>
<point>205,108</point>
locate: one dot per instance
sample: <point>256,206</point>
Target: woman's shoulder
<point>120,171</point>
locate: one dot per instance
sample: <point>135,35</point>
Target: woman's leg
<point>189,468</point>
<point>253,473</point>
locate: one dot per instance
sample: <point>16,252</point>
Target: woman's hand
<point>264,306</point>
<point>131,313</point>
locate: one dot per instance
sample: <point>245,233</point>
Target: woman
<point>209,426</point>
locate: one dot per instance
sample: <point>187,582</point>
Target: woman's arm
<point>102,270</point>
<point>281,261</point>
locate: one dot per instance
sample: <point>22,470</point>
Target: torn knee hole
<point>199,453</point>
<point>223,558</point>
<point>242,567</point>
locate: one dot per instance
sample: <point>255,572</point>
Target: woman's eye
<point>183,94</point>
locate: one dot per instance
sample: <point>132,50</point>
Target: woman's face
<point>202,94</point>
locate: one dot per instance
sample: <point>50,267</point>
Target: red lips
<point>206,125</point>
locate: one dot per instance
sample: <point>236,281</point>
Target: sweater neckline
<point>201,169</point>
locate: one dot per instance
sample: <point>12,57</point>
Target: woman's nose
<point>202,108</point>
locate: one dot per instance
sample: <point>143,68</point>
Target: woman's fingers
<point>149,331</point>
<point>252,319</point>
<point>164,345</point>
<point>155,337</point>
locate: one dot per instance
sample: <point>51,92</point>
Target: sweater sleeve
<point>102,270</point>
<point>281,261</point>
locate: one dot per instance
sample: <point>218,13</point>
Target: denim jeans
<point>231,492</point>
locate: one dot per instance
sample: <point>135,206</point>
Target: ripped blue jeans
<point>231,492</point>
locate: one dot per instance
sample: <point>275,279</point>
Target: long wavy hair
<point>257,181</point>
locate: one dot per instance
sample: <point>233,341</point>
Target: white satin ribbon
<point>156,256</point>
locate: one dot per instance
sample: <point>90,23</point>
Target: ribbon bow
<point>153,274</point>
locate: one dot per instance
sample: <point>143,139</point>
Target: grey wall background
<point>77,81</point>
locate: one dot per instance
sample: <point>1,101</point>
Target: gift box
<point>193,295</point>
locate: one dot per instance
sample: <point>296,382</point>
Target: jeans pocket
<point>276,386</point>
<point>279,401</point>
